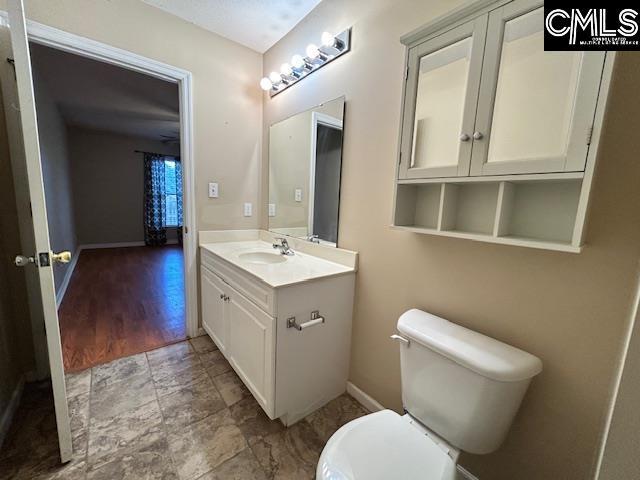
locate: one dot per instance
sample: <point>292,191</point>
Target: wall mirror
<point>305,163</point>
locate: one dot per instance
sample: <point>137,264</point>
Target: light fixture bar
<point>314,59</point>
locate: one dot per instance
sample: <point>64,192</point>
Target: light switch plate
<point>213,190</point>
<point>272,209</point>
<point>298,194</point>
<point>248,209</point>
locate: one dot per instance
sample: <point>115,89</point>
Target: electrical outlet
<point>298,194</point>
<point>213,190</point>
<point>272,209</point>
<point>248,209</point>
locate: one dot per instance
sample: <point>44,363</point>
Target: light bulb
<point>265,84</point>
<point>275,78</point>
<point>312,51</point>
<point>285,69</point>
<point>297,61</point>
<point>327,39</point>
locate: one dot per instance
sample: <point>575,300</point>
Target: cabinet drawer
<point>255,290</point>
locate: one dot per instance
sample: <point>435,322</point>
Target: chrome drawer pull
<point>316,319</point>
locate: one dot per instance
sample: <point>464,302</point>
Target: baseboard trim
<point>9,413</point>
<point>67,277</point>
<point>91,246</point>
<point>364,399</point>
<point>466,473</point>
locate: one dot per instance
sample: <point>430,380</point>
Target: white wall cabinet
<point>498,138</point>
<point>290,373</point>
<point>484,98</point>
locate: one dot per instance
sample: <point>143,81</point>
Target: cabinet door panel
<point>213,306</point>
<point>251,339</point>
<point>440,102</point>
<point>535,107</point>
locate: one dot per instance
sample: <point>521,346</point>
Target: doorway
<point>325,173</point>
<point>112,174</point>
<point>28,176</point>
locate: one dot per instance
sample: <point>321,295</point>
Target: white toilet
<point>460,389</point>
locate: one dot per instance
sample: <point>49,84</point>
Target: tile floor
<point>179,412</point>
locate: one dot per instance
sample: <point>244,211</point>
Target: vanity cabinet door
<point>536,107</point>
<point>213,308</point>
<point>252,348</point>
<point>441,95</point>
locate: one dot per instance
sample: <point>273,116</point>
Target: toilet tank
<point>464,386</point>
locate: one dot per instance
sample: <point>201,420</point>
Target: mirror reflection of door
<point>325,177</point>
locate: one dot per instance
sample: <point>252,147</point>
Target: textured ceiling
<point>100,96</point>
<point>257,24</point>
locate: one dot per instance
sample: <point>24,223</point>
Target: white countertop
<point>297,268</point>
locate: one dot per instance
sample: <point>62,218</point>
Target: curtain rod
<point>156,153</point>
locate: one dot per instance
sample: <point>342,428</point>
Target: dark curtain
<point>155,232</point>
<point>179,196</point>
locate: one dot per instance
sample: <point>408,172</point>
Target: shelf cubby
<point>469,207</point>
<point>418,205</point>
<point>539,210</point>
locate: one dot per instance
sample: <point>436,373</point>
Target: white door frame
<point>322,119</point>
<point>85,47</point>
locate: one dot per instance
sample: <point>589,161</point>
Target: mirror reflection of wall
<point>305,162</point>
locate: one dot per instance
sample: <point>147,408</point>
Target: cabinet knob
<point>464,137</point>
<point>478,135</point>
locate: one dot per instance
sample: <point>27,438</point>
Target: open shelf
<point>418,205</point>
<point>539,210</point>
<point>531,211</point>
<point>469,207</point>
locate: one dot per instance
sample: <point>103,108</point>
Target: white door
<point>213,312</point>
<point>536,107</point>
<point>440,102</point>
<point>251,348</point>
<point>42,257</point>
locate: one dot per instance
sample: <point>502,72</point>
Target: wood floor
<point>122,301</point>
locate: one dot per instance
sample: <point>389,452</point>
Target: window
<point>171,194</point>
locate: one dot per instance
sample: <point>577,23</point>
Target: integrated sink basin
<point>262,258</point>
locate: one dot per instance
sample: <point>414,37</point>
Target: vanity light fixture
<point>331,47</point>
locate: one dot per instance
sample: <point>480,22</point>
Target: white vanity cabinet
<point>290,372</point>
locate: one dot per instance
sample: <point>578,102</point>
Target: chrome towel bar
<point>316,319</point>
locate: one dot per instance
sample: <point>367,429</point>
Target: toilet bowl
<point>461,391</point>
<point>384,446</point>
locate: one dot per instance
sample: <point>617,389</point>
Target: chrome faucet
<point>313,238</point>
<point>284,247</point>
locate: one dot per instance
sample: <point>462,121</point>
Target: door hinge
<point>400,158</point>
<point>406,74</point>
<point>589,135</point>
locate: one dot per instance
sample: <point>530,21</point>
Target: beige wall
<point>227,105</point>
<point>620,457</point>
<point>570,310</point>
<point>108,184</point>
<point>56,174</point>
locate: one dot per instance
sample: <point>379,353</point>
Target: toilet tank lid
<point>484,355</point>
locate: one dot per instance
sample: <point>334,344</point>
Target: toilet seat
<point>382,446</point>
